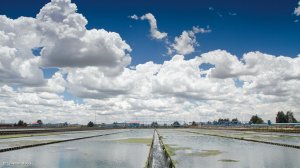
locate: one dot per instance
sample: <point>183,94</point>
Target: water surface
<point>195,150</point>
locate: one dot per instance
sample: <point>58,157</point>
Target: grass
<point>170,150</point>
<point>287,136</point>
<point>22,135</point>
<point>136,140</point>
<point>228,160</point>
<point>205,153</point>
<point>24,143</point>
<point>182,148</point>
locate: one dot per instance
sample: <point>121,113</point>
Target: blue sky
<point>266,26</point>
<point>235,71</point>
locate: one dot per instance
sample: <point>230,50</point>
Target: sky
<point>64,60</point>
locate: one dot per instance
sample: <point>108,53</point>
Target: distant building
<point>134,125</point>
<point>56,125</point>
<point>3,125</point>
<point>35,124</point>
<point>119,125</point>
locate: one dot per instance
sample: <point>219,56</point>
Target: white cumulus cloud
<point>186,42</point>
<point>67,42</point>
<point>93,67</point>
<point>155,33</point>
<point>297,10</point>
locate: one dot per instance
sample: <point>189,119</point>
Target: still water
<point>285,138</point>
<point>109,151</point>
<point>194,150</point>
<point>130,150</point>
<point>12,142</point>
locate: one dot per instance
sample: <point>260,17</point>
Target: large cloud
<point>67,43</point>
<point>61,34</point>
<point>17,64</point>
<point>93,68</point>
<point>92,83</point>
<point>255,84</point>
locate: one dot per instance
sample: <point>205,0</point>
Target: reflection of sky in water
<point>285,138</point>
<point>5,143</point>
<point>94,152</point>
<point>105,152</point>
<point>248,154</point>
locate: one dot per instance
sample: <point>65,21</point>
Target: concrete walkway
<point>159,159</point>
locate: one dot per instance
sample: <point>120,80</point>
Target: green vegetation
<point>170,150</point>
<point>194,124</point>
<point>154,124</point>
<point>182,148</point>
<point>40,122</point>
<point>228,160</point>
<point>136,140</point>
<point>21,123</point>
<point>256,120</point>
<point>176,124</point>
<point>29,142</point>
<point>205,153</point>
<point>24,135</point>
<point>90,124</point>
<point>285,118</point>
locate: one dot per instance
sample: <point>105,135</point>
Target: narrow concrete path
<point>159,159</point>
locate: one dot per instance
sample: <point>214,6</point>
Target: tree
<point>154,124</point>
<point>90,124</point>
<point>194,124</point>
<point>281,118</point>
<point>234,121</point>
<point>285,118</point>
<point>176,124</point>
<point>256,120</point>
<point>223,121</point>
<point>40,122</point>
<point>21,123</point>
<point>290,117</point>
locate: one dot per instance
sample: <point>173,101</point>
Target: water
<point>12,142</point>
<point>105,152</point>
<point>130,150</point>
<point>285,138</point>
<point>194,150</point>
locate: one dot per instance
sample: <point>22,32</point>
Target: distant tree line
<point>281,117</point>
<point>285,118</point>
<point>226,121</point>
<point>21,123</point>
<point>154,124</point>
